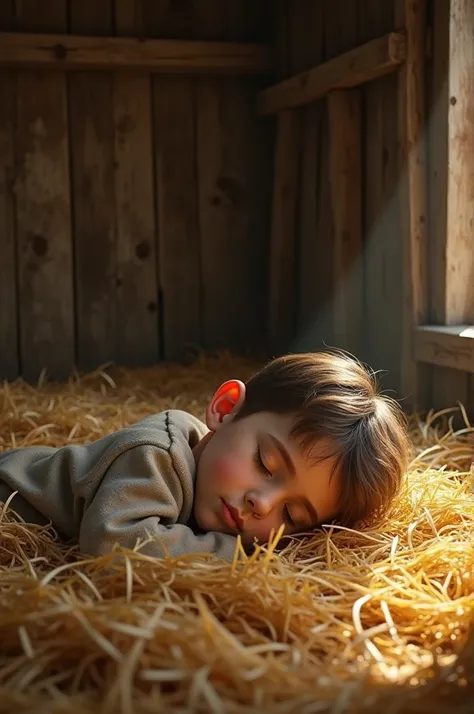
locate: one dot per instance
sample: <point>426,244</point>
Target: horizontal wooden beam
<point>360,65</point>
<point>68,52</point>
<point>446,346</point>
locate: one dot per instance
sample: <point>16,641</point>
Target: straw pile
<point>339,621</point>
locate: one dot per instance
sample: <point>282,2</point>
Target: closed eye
<point>259,463</point>
<point>288,517</point>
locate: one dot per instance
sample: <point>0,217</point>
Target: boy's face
<point>252,477</point>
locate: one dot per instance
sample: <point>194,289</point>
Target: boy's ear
<point>225,403</point>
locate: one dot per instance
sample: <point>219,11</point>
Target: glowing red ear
<point>227,400</point>
<point>227,397</point>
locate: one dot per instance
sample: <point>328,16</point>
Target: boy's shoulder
<point>168,427</point>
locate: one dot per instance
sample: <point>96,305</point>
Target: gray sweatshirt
<point>132,484</point>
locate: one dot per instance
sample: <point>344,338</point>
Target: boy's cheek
<point>227,468</point>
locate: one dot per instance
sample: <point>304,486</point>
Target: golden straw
<point>335,621</point>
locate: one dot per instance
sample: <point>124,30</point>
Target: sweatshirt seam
<point>169,448</point>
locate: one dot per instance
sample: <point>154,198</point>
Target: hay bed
<point>340,621</point>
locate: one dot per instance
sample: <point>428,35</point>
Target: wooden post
<point>411,14</point>
<point>345,165</point>
<point>459,271</point>
<point>283,233</point>
<point>452,178</point>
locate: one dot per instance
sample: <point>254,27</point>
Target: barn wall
<point>448,386</point>
<point>307,33</point>
<point>133,209</point>
<point>310,32</point>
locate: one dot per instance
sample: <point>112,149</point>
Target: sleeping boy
<point>307,440</point>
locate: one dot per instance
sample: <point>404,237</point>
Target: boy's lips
<point>231,516</point>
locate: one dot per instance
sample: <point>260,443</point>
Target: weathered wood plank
<point>283,231</point>
<point>43,209</point>
<point>177,216</point>
<point>92,150</point>
<point>451,347</point>
<point>318,35</point>
<point>345,175</point>
<point>358,66</point>
<point>176,189</point>
<point>9,354</point>
<point>413,196</point>
<point>69,52</point>
<point>383,266</point>
<point>460,228</point>
<point>301,26</point>
<point>137,285</point>
<point>232,191</point>
<point>451,182</point>
<point>345,326</point>
<point>232,252</point>
<point>129,18</point>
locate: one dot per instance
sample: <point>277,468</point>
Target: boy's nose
<point>259,503</point>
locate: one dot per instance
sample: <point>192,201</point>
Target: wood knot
<point>231,189</point>
<point>59,52</point>
<point>39,245</point>
<point>143,250</point>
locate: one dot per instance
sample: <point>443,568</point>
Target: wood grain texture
<point>345,176</point>
<point>383,258</point>
<point>413,196</point>
<point>345,324</point>
<point>282,250</point>
<point>137,283</point>
<point>304,25</point>
<point>67,53</point>
<point>177,216</point>
<point>449,385</point>
<point>44,244</point>
<point>451,347</point>
<point>92,150</point>
<point>351,69</point>
<point>460,210</point>
<point>9,353</point>
<point>234,190</point>
<point>176,193</point>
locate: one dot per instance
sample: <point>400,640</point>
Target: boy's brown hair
<point>332,395</point>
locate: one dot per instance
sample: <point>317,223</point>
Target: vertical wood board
<point>137,288</point>
<point>460,219</point>
<point>231,144</point>
<point>9,353</point>
<point>282,249</point>
<point>43,218</point>
<point>177,216</point>
<point>174,139</point>
<point>383,264</point>
<point>232,246</point>
<point>413,198</point>
<point>304,24</point>
<point>449,386</point>
<point>92,150</point>
<point>345,176</point>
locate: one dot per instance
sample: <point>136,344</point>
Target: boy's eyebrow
<point>284,454</point>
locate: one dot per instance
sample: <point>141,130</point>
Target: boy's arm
<point>140,496</point>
